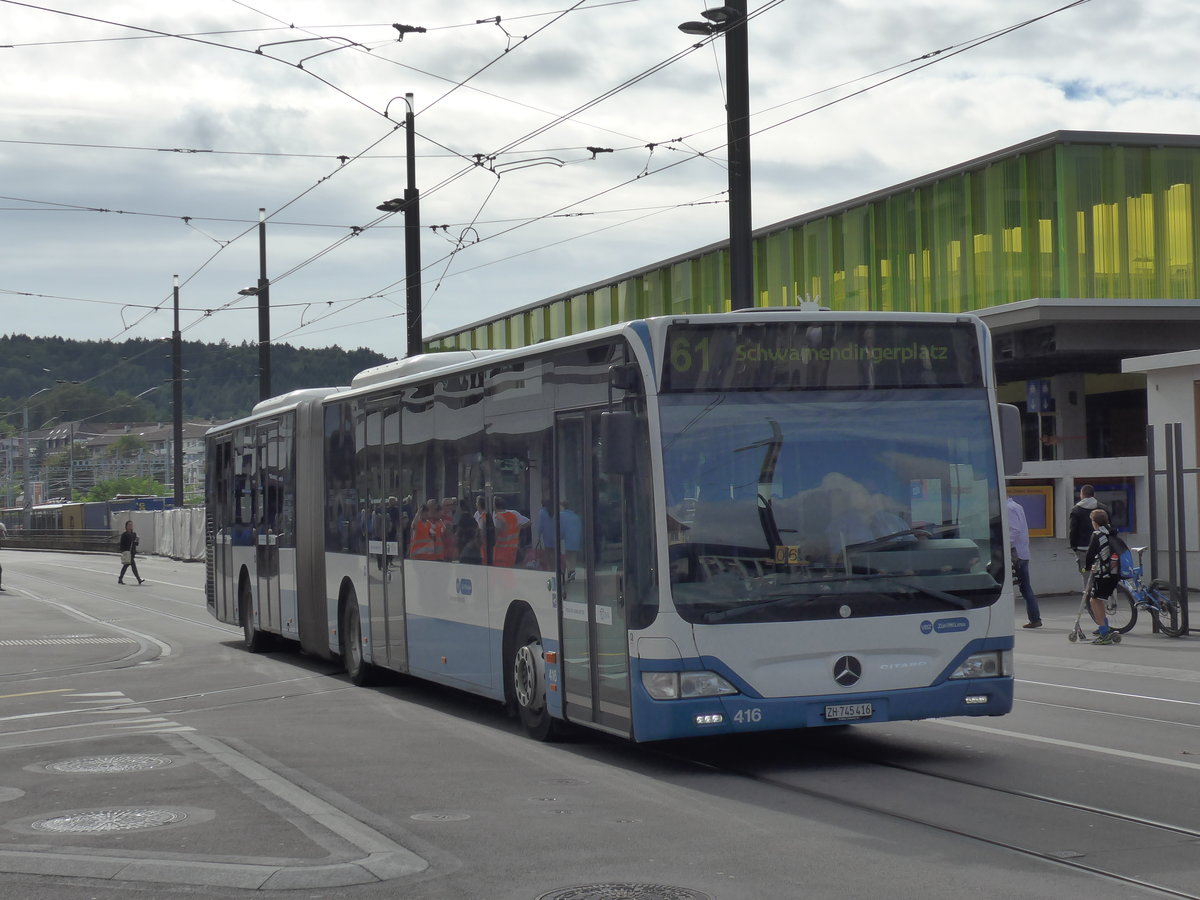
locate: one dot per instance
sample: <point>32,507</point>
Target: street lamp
<point>27,511</point>
<point>730,20</point>
<point>410,205</point>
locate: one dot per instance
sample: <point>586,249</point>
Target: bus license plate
<point>849,711</point>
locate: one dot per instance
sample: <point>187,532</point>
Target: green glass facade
<point>1068,215</point>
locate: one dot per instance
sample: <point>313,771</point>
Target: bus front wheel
<point>526,668</point>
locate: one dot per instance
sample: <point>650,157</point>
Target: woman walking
<point>129,542</point>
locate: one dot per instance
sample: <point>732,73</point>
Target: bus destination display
<point>820,355</point>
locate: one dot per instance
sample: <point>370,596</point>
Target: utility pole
<point>27,511</point>
<point>264,311</point>
<point>71,462</point>
<point>410,205</point>
<point>730,21</point>
<point>741,244</point>
<point>177,399</point>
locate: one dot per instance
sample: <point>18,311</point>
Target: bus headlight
<point>992,664</point>
<point>678,685</point>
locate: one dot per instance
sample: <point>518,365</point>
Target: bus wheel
<point>350,629</point>
<point>527,671</point>
<point>256,641</point>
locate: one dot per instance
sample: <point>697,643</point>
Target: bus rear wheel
<point>256,641</point>
<point>360,671</point>
<point>527,676</point>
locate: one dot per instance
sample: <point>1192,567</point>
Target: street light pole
<point>27,506</point>
<point>70,462</point>
<point>741,245</point>
<point>177,399</point>
<point>410,205</point>
<point>27,510</point>
<point>730,20</point>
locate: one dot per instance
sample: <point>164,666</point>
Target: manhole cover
<point>105,820</point>
<point>440,817</point>
<point>123,763</point>
<point>615,890</point>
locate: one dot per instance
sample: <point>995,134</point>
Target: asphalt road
<point>144,753</point>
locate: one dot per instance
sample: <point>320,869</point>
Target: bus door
<point>385,572</point>
<point>270,499</point>
<point>590,517</point>
<point>221,519</point>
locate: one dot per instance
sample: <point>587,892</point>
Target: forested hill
<point>220,381</point>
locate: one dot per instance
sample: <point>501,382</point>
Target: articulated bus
<point>672,527</point>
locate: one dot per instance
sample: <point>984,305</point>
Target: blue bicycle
<point>1158,598</point>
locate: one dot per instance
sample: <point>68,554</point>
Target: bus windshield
<point>784,506</point>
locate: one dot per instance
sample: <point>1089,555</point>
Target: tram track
<point>1139,831</point>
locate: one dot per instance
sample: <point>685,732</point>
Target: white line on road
<point>1073,745</point>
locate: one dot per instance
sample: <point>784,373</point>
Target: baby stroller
<point>1077,633</point>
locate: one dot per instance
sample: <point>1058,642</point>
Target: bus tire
<point>256,641</point>
<point>360,671</point>
<point>527,680</point>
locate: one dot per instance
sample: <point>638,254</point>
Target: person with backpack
<point>1079,530</point>
<point>1103,561</point>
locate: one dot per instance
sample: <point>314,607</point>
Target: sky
<point>140,138</point>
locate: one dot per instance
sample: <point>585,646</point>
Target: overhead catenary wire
<point>592,196</point>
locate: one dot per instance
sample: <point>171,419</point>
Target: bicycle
<point>1159,598</point>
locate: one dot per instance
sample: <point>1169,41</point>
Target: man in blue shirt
<point>1018,538</point>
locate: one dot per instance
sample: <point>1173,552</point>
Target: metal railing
<point>94,539</point>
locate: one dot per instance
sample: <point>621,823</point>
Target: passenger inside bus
<point>509,525</point>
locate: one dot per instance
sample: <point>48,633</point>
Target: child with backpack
<point>1103,560</point>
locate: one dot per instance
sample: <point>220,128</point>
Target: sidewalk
<point>1139,646</point>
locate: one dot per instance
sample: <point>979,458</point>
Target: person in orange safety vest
<point>509,523</point>
<point>426,540</point>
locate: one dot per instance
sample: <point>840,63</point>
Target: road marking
<point>57,642</point>
<point>1072,687</point>
<point>112,703</point>
<point>1073,745</point>
<point>36,693</point>
<point>1108,667</point>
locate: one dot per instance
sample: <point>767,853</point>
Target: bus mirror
<point>1010,438</point>
<point>617,437</point>
<point>625,377</point>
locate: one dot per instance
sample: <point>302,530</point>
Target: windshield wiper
<point>952,599</point>
<point>734,611</point>
<point>879,542</point>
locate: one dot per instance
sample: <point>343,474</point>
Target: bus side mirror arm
<point>618,437</point>
<point>1010,438</point>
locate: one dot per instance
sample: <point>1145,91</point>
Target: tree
<point>127,446</point>
<point>135,485</point>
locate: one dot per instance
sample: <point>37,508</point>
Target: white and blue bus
<point>672,527</point>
